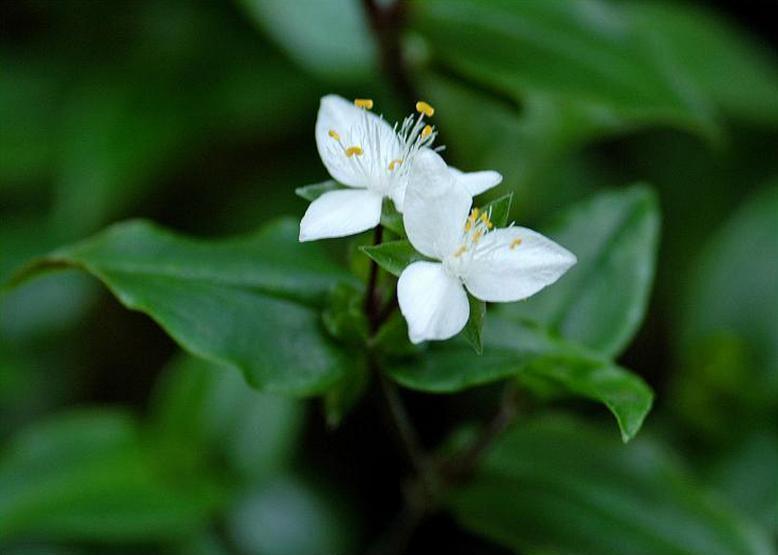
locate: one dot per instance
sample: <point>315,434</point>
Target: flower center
<point>385,158</point>
<point>477,225</point>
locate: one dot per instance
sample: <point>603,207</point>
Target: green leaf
<point>391,219</point>
<point>330,39</point>
<point>733,69</point>
<point>392,338</point>
<point>205,416</point>
<point>499,210</point>
<point>601,301</point>
<point>586,52</point>
<point>729,331</point>
<point>86,476</point>
<point>475,323</point>
<point>345,318</point>
<point>561,486</point>
<point>340,399</point>
<point>214,297</point>
<point>312,192</point>
<point>746,474</point>
<point>514,350</point>
<point>393,256</point>
<point>288,516</point>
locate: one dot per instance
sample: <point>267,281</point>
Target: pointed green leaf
<point>499,210</point>
<point>515,350</point>
<point>587,53</point>
<point>601,301</point>
<point>233,302</point>
<point>393,256</point>
<point>475,323</point>
<point>312,192</point>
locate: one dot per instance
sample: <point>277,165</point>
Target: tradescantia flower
<point>494,265</point>
<point>374,160</point>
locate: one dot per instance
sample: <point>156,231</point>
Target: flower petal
<point>434,303</point>
<point>340,213</point>
<point>354,127</point>
<point>435,207</point>
<point>513,263</point>
<point>476,183</point>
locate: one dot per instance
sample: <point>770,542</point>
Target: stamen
<point>424,108</point>
<point>515,243</point>
<point>394,163</point>
<point>352,150</point>
<point>334,134</point>
<point>426,132</point>
<point>460,251</point>
<point>477,235</point>
<point>366,103</point>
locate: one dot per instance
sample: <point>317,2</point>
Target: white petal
<point>509,270</point>
<point>397,195</point>
<point>434,303</point>
<point>435,207</point>
<point>355,127</point>
<point>340,213</point>
<point>476,183</point>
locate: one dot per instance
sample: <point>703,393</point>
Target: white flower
<point>494,265</point>
<point>374,160</point>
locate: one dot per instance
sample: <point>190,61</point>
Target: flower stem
<point>463,465</point>
<point>387,20</point>
<point>371,295</point>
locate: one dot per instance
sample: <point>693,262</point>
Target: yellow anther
<point>486,221</point>
<point>352,150</point>
<point>426,132</point>
<point>515,243</point>
<point>334,134</point>
<point>468,224</point>
<point>474,213</point>
<point>477,235</point>
<point>460,251</point>
<point>366,103</point>
<point>394,163</point>
<point>424,108</point>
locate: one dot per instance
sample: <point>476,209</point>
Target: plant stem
<point>387,24</point>
<point>465,463</point>
<point>371,295</point>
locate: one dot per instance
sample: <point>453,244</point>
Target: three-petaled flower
<point>374,160</point>
<point>494,265</point>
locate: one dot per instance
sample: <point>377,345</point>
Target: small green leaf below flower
<point>393,256</point>
<point>515,350</point>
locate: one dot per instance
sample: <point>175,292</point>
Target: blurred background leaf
<point>579,492</point>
